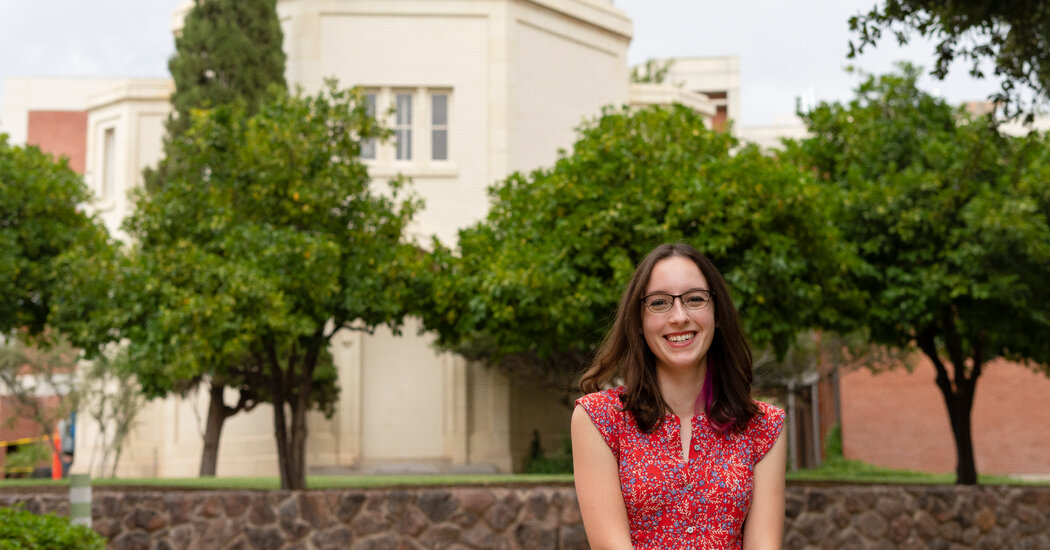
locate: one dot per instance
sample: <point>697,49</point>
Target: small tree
<point>533,287</point>
<point>30,376</point>
<point>110,395</point>
<point>949,219</point>
<point>228,51</point>
<point>269,239</point>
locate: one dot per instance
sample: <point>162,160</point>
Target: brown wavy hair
<point>625,353</point>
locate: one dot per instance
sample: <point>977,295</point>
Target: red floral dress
<point>673,504</point>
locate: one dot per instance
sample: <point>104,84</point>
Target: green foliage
<point>539,462</point>
<point>833,443</point>
<point>23,530</point>
<point>534,286</point>
<point>26,457</point>
<point>40,219</point>
<point>950,221</point>
<point>949,218</point>
<point>228,50</point>
<point>267,238</point>
<point>1012,35</point>
<point>652,72</point>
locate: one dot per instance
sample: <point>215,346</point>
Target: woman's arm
<point>598,486</point>
<point>764,526</point>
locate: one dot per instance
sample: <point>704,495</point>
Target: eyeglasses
<point>661,302</point>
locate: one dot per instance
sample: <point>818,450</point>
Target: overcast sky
<point>785,48</point>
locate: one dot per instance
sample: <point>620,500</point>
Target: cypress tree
<point>228,50</point>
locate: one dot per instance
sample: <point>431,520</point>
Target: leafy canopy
<point>950,220</point>
<point>228,50</point>
<point>1012,35</point>
<point>40,219</point>
<point>534,286</point>
<point>267,239</point>
<point>949,217</point>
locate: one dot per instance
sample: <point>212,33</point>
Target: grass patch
<point>842,470</point>
<point>312,482</point>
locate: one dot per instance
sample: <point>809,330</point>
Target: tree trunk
<point>958,397</point>
<point>966,468</point>
<point>281,433</point>
<point>297,473</point>
<point>213,429</point>
<point>293,387</point>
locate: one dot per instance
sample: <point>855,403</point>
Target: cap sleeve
<point>603,409</point>
<point>765,429</point>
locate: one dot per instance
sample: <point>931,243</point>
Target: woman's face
<point>679,338</point>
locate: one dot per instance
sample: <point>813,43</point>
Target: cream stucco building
<point>479,89</point>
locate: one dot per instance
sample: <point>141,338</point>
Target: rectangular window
<point>439,126</point>
<point>403,127</point>
<point>109,163</point>
<point>368,146</point>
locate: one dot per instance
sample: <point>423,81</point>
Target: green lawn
<point>841,470</point>
<point>834,471</point>
<point>313,482</point>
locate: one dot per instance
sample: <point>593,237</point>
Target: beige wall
<point>541,409</point>
<point>135,111</point>
<point>559,72</point>
<point>710,74</point>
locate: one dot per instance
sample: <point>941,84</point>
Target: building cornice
<point>138,89</point>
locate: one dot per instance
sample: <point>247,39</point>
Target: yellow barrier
<point>24,440</point>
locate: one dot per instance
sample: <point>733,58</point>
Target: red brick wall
<point>898,419</point>
<point>21,426</point>
<point>60,133</point>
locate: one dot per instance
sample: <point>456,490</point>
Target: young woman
<point>679,456</point>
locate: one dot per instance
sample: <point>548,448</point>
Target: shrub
<point>538,462</point>
<point>23,530</point>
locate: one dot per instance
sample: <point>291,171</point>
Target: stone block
<point>871,524</point>
<point>147,520</point>
<point>985,519</point>
<point>816,500</point>
<point>440,536</point>
<point>950,531</point>
<point>479,536</point>
<point>793,507</point>
<point>412,521</point>
<point>572,537</point>
<point>349,505</point>
<point>369,523</point>
<point>131,541</point>
<point>385,541</point>
<point>236,504</point>
<point>264,538</point>
<point>474,501</point>
<point>504,511</point>
<point>260,513</point>
<point>528,535</point>
<point>900,528</point>
<point>889,507</point>
<point>437,505</point>
<point>336,538</point>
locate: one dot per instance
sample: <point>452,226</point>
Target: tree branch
<point>928,345</point>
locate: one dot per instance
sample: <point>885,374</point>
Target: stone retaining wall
<point>531,517</point>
